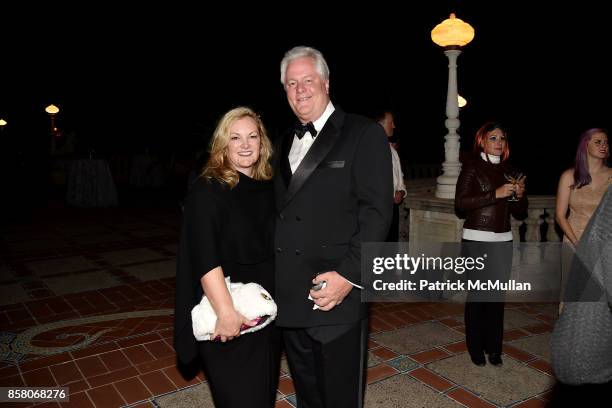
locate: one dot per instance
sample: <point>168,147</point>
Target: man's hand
<point>334,293</point>
<point>399,197</point>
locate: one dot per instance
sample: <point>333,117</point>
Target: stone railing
<point>426,217</point>
<point>540,223</point>
<point>414,171</point>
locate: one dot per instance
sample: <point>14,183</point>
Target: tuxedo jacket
<point>339,197</point>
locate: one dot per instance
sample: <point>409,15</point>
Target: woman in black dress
<point>228,230</point>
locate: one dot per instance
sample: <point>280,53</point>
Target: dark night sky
<point>159,78</point>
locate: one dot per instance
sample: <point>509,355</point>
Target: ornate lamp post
<point>52,110</point>
<point>3,123</point>
<point>452,34</point>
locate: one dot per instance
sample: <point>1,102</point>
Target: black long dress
<point>234,229</point>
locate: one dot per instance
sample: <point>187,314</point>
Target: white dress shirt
<point>398,175</point>
<point>300,147</point>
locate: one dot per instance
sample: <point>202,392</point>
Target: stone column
<point>451,167</point>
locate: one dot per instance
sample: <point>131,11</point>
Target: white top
<point>398,176</point>
<point>492,158</point>
<point>300,147</point>
<point>487,236</point>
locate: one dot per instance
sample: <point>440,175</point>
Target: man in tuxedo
<point>333,180</point>
<point>385,119</point>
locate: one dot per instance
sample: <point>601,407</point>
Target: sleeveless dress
<point>582,203</point>
<point>581,341</point>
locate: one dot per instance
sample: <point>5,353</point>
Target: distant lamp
<point>461,102</point>
<point>451,34</point>
<point>53,110</point>
<point>3,123</point>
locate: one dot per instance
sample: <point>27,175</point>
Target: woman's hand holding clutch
<point>229,324</point>
<point>251,310</point>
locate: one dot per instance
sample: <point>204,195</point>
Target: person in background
<point>581,187</point>
<point>332,184</point>
<point>482,198</point>
<point>386,120</point>
<point>580,190</point>
<point>228,231</point>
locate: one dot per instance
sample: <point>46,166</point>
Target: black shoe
<point>495,359</point>
<point>479,360</point>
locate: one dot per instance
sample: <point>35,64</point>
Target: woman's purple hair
<point>581,167</point>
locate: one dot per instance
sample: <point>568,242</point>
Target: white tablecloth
<point>91,184</point>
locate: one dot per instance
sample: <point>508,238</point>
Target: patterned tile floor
<point>86,301</point>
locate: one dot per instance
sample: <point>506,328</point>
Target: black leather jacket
<point>475,197</point>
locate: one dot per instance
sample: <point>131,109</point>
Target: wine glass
<point>513,177</point>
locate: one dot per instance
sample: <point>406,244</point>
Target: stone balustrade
<point>426,217</point>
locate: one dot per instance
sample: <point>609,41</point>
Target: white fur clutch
<point>250,299</point>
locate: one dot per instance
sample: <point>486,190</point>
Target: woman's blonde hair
<point>218,166</point>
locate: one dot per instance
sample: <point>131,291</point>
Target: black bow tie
<point>301,129</point>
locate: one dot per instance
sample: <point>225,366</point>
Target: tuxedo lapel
<point>285,167</point>
<point>318,151</point>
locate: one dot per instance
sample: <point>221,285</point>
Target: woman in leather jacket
<point>481,198</point>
